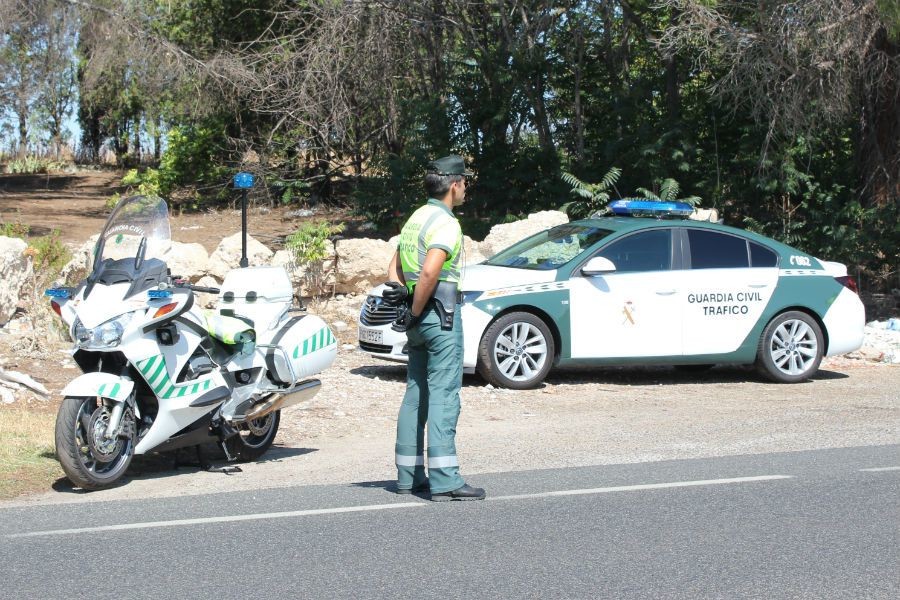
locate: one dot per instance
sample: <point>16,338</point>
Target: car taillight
<point>164,310</point>
<point>849,283</point>
<point>56,308</point>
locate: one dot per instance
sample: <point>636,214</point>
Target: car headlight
<point>469,297</point>
<point>105,335</point>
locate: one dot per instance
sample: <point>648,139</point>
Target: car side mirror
<point>598,266</point>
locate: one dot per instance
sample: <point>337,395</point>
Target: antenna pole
<point>243,182</point>
<point>244,262</point>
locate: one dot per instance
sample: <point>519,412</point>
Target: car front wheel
<point>791,348</point>
<point>516,351</point>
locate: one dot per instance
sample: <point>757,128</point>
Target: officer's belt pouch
<point>446,297</point>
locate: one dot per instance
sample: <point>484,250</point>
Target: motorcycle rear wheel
<point>254,438</point>
<point>88,460</point>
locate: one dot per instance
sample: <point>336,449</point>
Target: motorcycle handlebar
<point>205,290</point>
<point>181,283</point>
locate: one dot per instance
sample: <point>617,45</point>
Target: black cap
<point>449,165</point>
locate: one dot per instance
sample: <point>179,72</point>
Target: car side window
<point>714,250</point>
<point>760,256</point>
<point>644,251</point>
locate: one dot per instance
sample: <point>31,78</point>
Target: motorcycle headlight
<point>105,335</point>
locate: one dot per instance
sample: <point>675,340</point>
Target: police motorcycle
<point>159,373</point>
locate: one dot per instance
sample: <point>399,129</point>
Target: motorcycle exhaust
<point>302,391</point>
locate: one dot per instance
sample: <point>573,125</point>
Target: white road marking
<point>370,507</point>
<point>646,486</point>
<point>228,519</point>
<point>880,469</point>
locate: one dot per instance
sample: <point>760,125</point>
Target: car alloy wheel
<point>791,348</point>
<point>517,351</point>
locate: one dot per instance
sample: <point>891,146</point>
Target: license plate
<point>373,336</point>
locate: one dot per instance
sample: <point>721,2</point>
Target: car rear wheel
<point>791,348</point>
<point>516,351</point>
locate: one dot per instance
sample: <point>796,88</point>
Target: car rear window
<point>714,250</point>
<point>760,256</point>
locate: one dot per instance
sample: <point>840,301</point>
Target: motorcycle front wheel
<point>89,460</point>
<point>254,437</point>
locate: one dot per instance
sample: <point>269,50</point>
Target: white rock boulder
<point>15,271</point>
<point>228,255</point>
<point>82,262</point>
<point>362,264</point>
<point>190,261</point>
<point>505,235</point>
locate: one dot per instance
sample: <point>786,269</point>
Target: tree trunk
<point>879,149</point>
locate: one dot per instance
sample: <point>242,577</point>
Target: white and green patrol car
<point>637,291</point>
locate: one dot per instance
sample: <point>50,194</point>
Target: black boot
<point>466,492</point>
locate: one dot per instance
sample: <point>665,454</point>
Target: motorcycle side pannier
<point>308,343</point>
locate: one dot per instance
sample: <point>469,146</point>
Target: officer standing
<point>424,278</point>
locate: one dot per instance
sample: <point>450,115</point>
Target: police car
<point>622,290</point>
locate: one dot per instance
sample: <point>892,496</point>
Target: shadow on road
<point>210,458</point>
<point>387,485</point>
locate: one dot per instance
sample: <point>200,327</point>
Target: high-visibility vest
<point>431,226</point>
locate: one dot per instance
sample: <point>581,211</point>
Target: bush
<point>49,254</point>
<point>14,230</point>
<point>309,249</point>
<point>32,165</point>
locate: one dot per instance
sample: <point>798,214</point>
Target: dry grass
<point>27,458</point>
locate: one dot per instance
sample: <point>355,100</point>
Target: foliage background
<point>781,114</point>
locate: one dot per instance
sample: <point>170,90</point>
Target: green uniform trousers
<point>433,379</point>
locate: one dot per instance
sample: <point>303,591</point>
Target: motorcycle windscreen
<point>137,227</point>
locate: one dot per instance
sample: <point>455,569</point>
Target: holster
<point>446,297</point>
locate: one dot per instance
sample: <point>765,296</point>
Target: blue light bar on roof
<point>650,208</point>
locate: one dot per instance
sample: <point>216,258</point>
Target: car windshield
<point>136,220</point>
<point>550,249</point>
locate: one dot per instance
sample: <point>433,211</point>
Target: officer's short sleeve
<point>444,235</point>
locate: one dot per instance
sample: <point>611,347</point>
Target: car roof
<point>628,224</point>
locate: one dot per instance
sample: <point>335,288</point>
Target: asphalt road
<point>817,524</point>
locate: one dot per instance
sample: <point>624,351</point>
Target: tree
<point>799,66</point>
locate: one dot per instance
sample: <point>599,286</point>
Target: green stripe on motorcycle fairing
<point>195,388</point>
<point>145,368</point>
<point>160,369</point>
<point>100,391</point>
<point>182,390</point>
<point>207,383</point>
<point>115,390</point>
<point>161,386</point>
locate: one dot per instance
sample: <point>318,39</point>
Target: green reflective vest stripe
<point>431,226</point>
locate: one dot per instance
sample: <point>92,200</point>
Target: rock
<point>472,252</point>
<point>6,396</point>
<point>16,269</point>
<point>82,262</point>
<point>506,234</point>
<point>228,255</point>
<point>206,300</point>
<point>284,258</point>
<point>190,261</point>
<point>339,326</point>
<point>362,264</point>
<point>704,214</point>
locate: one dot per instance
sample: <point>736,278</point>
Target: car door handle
<point>665,292</point>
